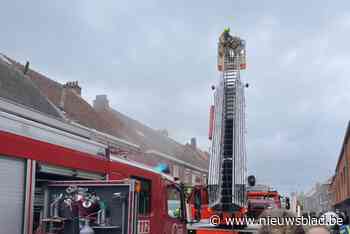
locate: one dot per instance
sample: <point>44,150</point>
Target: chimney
<point>101,103</point>
<point>164,132</point>
<point>193,143</point>
<point>74,86</point>
<point>26,68</point>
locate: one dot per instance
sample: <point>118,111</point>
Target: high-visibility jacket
<point>344,229</point>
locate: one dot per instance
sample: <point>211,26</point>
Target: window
<point>187,176</point>
<point>196,179</point>
<point>174,202</point>
<point>176,171</point>
<point>144,196</point>
<point>204,179</point>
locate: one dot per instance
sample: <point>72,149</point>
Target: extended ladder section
<point>227,172</point>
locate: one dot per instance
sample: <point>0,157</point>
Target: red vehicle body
<point>34,151</point>
<point>38,154</point>
<point>199,209</point>
<point>258,201</point>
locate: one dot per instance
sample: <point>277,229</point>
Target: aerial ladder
<point>225,195</point>
<point>227,167</point>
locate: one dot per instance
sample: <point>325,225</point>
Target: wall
<point>319,200</point>
<point>340,185</point>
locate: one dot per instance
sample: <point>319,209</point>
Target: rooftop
<point>65,101</point>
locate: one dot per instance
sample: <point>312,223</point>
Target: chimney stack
<point>193,143</point>
<point>74,86</point>
<point>164,132</point>
<point>26,68</point>
<point>101,103</point>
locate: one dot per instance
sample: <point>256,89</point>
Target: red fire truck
<point>45,162</point>
<point>55,174</point>
<point>261,197</point>
<point>36,151</point>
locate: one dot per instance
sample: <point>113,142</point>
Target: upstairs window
<point>187,176</point>
<point>176,171</point>
<point>204,179</point>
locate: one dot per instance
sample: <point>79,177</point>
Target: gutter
<point>94,135</point>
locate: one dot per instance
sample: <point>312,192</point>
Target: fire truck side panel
<point>20,147</point>
<point>12,180</point>
<point>37,131</point>
<point>149,222</point>
<point>158,219</point>
<point>24,147</point>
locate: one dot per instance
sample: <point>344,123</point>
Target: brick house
<point>186,161</point>
<point>318,199</point>
<point>127,138</point>
<point>340,185</point>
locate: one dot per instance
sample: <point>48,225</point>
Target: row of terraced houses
<point>128,138</point>
<point>333,194</point>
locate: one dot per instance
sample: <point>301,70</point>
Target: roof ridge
<point>14,62</point>
<point>31,70</point>
<point>146,126</point>
<point>25,81</point>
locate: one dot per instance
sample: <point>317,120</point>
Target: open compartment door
<point>99,207</point>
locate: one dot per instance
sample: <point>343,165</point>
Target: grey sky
<point>156,61</point>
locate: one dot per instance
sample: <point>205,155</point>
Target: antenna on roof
<point>26,68</point>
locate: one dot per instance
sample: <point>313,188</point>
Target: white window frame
<point>204,178</point>
<point>187,178</point>
<point>194,177</point>
<point>176,171</point>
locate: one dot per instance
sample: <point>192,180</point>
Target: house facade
<point>319,199</point>
<point>340,184</point>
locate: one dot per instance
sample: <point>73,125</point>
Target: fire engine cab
<point>262,197</point>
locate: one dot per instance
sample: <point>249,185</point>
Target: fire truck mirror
<point>251,180</point>
<point>287,203</point>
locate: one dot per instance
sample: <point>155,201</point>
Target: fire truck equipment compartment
<point>94,199</point>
